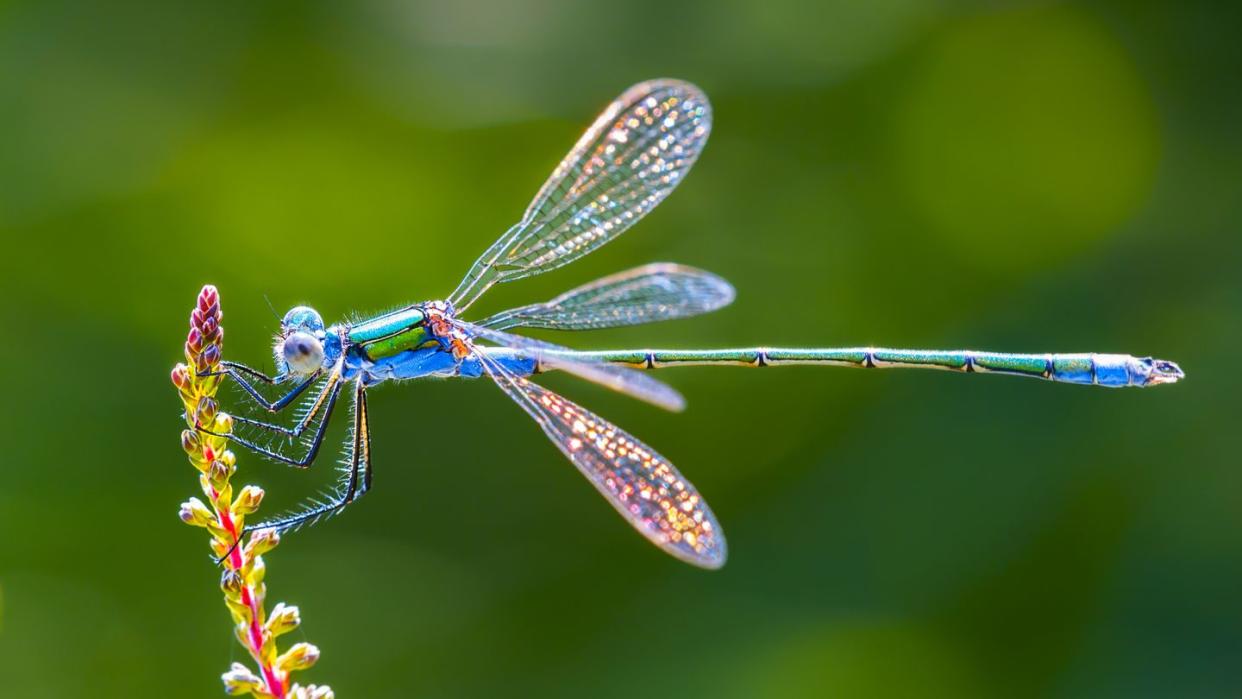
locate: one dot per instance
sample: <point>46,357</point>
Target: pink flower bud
<point>208,296</point>
<point>211,355</point>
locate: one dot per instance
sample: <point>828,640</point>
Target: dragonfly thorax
<point>411,328</point>
<point>451,337</point>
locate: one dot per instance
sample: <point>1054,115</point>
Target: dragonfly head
<point>299,346</point>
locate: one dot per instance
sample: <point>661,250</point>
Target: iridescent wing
<point>630,158</point>
<point>642,485</point>
<point>548,356</point>
<point>661,291</point>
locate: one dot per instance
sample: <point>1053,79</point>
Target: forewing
<point>630,158</point>
<point>642,485</point>
<point>646,294</point>
<point>549,356</point>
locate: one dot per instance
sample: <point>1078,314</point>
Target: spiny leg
<point>359,464</point>
<point>311,412</point>
<point>235,371</point>
<point>365,423</point>
<point>327,399</point>
<point>255,373</point>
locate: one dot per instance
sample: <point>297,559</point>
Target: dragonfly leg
<point>249,371</point>
<point>235,371</point>
<point>362,423</point>
<point>358,474</point>
<point>298,429</point>
<point>325,402</point>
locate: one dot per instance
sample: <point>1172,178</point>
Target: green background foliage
<point>1026,176</point>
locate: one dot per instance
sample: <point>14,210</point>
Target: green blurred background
<point>1015,176</point>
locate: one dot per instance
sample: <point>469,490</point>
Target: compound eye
<point>303,352</point>
<point>302,318</point>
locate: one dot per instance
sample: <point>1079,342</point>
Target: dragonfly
<point>633,155</point>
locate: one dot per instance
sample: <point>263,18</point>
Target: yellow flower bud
<point>268,651</point>
<point>190,442</point>
<point>311,691</point>
<point>254,570</point>
<point>242,615</point>
<point>283,619</point>
<point>223,498</point>
<point>206,413</point>
<point>240,680</point>
<point>248,500</point>
<point>300,657</point>
<point>194,512</point>
<point>268,646</point>
<point>220,547</point>
<point>219,473</point>
<point>231,583</point>
<point>204,483</point>
<point>261,542</point>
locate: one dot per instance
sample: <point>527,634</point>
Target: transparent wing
<point>661,291</point>
<point>548,356</point>
<point>634,154</point>
<point>642,485</point>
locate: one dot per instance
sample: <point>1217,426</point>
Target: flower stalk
<point>223,515</point>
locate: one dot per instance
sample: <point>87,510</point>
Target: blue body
<point>429,362</point>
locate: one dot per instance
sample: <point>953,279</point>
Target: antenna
<point>269,305</point>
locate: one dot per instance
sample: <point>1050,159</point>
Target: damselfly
<point>631,157</point>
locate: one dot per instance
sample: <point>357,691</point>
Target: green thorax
<point>391,333</point>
